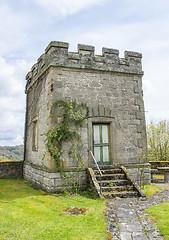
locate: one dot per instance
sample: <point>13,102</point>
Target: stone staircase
<point>115,183</point>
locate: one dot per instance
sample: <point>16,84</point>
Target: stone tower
<point>115,128</point>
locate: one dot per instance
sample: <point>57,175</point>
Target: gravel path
<point>126,220</point>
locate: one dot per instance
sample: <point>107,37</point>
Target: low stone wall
<point>11,169</point>
<point>141,173</point>
<point>155,171</point>
<point>156,164</point>
<point>50,181</point>
<point>92,182</point>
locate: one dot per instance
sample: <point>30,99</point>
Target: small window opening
<point>51,87</point>
<point>35,136</point>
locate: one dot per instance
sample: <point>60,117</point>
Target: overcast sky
<point>27,27</point>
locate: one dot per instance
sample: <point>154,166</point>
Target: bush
<point>158,141</point>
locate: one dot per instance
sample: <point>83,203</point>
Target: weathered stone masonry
<point>11,169</point>
<point>112,89</point>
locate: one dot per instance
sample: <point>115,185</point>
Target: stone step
<point>111,176</point>
<point>109,171</point>
<point>114,183</point>
<point>118,188</point>
<point>103,167</point>
<point>120,194</point>
<point>119,182</point>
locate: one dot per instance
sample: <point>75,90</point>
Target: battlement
<point>56,54</point>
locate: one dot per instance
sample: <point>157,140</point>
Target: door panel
<point>96,133</point>
<point>105,133</point>
<point>97,153</point>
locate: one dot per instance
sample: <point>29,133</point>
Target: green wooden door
<point>101,143</point>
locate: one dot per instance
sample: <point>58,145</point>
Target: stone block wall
<point>37,112</point>
<point>110,86</point>
<point>51,181</point>
<point>11,169</point>
<point>141,173</point>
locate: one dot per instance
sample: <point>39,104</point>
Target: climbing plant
<point>72,115</point>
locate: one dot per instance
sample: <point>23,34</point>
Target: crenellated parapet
<point>57,54</point>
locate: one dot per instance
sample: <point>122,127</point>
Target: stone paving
<point>126,220</point>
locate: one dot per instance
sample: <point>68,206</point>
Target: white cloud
<point>66,7</point>
<point>148,10</point>
<point>156,87</point>
<point>12,128</point>
<point>12,101</point>
<point>12,29</point>
<point>12,78</point>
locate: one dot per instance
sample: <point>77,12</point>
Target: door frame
<point>102,120</point>
<point>101,145</point>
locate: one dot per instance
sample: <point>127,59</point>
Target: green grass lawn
<point>26,213</point>
<point>152,189</point>
<point>159,213</point>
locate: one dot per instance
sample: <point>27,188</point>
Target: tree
<point>158,141</point>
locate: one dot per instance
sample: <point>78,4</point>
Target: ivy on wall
<point>73,114</point>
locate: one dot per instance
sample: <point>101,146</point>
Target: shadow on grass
<point>16,188</point>
<point>85,193</point>
<point>88,194</point>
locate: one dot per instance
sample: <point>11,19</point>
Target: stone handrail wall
<point>11,169</point>
<point>136,186</point>
<point>93,183</point>
<point>56,54</point>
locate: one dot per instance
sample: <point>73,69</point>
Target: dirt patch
<point>75,211</point>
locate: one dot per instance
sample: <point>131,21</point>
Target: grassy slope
<point>152,189</point>
<point>26,213</point>
<point>159,212</point>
